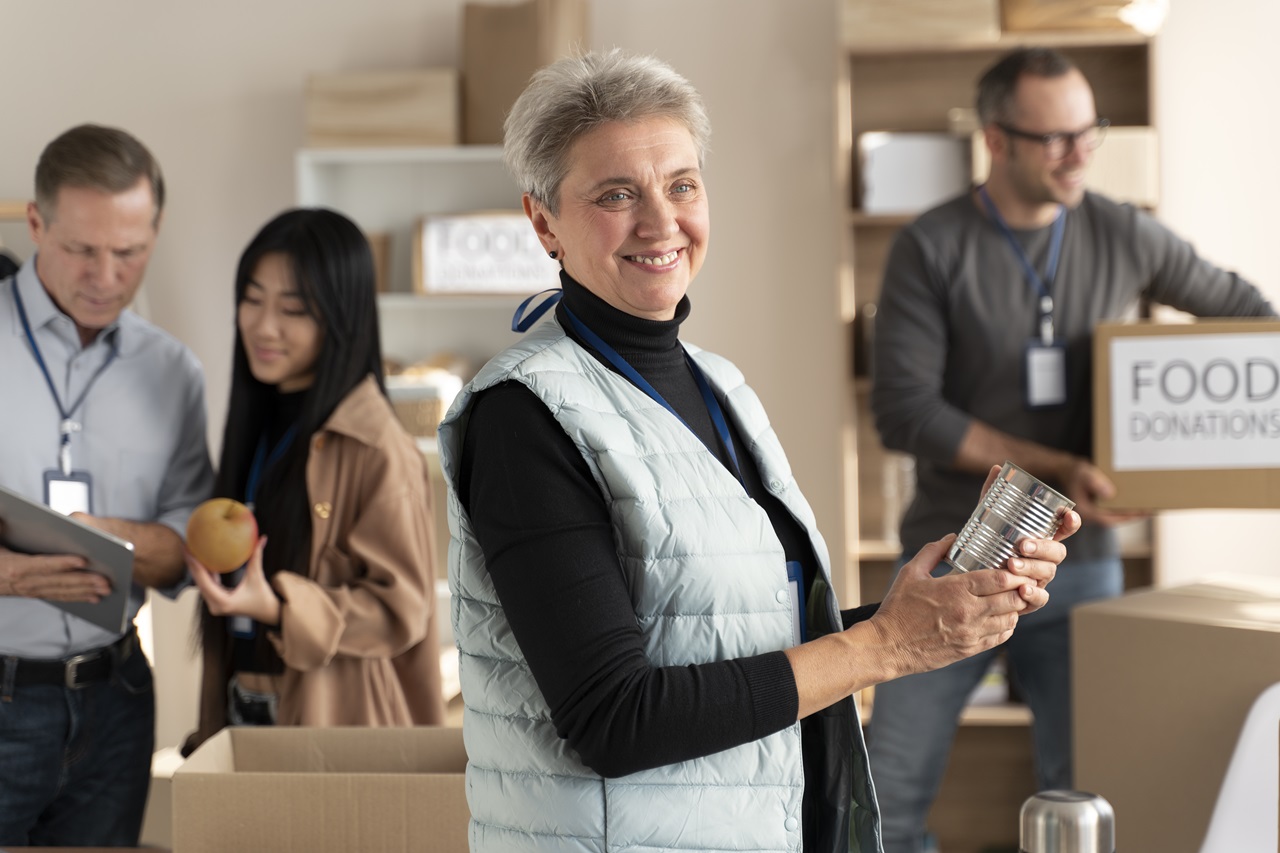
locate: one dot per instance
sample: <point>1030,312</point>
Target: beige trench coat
<point>358,635</point>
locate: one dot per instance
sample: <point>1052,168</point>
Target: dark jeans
<point>75,765</point>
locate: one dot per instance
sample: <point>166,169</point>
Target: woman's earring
<point>552,254</point>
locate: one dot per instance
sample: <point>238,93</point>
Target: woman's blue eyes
<point>621,195</point>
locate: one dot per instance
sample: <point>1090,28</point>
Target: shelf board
<point>13,210</point>
<point>879,549</point>
<point>1006,41</point>
<point>1008,714</point>
<point>434,154</point>
<point>858,218</point>
<point>430,450</point>
<point>480,301</point>
<point>884,550</point>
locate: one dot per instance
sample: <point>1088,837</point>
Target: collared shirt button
<point>319,442</point>
<point>791,824</point>
<point>323,509</point>
<point>782,596</point>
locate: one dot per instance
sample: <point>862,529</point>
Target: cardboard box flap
<point>323,790</point>
<point>1223,600</point>
<point>330,750</point>
<point>216,755</point>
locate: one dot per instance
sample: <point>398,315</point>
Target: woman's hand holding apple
<point>252,597</point>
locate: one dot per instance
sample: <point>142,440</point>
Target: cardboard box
<point>1090,15</point>
<point>1125,167</point>
<point>380,248</point>
<point>319,790</point>
<point>1187,415</point>
<point>502,45</point>
<point>910,172</point>
<point>383,108</point>
<point>482,252</point>
<point>1163,681</point>
<point>885,23</point>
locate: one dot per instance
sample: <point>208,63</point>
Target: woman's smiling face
<point>633,221</point>
<point>282,339</point>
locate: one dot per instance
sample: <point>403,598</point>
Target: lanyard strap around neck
<point>1041,285</point>
<point>262,462</point>
<point>67,425</point>
<point>522,322</point>
<point>708,396</point>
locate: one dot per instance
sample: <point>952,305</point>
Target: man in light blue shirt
<point>104,415</point>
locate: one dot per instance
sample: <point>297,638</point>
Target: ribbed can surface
<point>1016,507</point>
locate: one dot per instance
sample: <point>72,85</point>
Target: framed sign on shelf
<point>481,252</point>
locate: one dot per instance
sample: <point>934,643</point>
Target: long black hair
<point>332,268</point>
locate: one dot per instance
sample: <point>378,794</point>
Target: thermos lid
<point>1067,822</point>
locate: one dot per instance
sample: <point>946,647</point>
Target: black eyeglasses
<point>1061,143</point>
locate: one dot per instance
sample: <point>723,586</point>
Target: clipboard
<point>33,528</point>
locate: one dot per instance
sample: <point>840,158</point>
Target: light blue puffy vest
<point>707,575</point>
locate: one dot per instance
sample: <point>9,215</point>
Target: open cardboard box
<point>1163,681</point>
<point>1187,415</point>
<point>323,790</point>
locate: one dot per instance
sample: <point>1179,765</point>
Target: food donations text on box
<point>1195,402</point>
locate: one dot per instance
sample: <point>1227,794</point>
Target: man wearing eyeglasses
<point>983,347</point>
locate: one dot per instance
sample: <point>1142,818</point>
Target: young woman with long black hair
<point>331,620</point>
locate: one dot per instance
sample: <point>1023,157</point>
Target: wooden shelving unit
<point>911,86</point>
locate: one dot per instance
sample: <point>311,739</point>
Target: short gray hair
<point>94,157</point>
<point>574,96</point>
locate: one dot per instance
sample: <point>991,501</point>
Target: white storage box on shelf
<point>910,172</point>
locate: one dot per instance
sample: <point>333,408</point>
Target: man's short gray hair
<point>98,158</point>
<point>571,97</point>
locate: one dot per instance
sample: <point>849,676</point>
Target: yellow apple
<point>221,534</point>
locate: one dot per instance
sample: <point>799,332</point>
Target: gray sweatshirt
<point>956,314</point>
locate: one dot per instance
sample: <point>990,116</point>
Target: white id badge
<point>241,626</point>
<point>1046,375</point>
<point>795,580</point>
<point>68,493</point>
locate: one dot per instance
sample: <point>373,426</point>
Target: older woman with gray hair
<point>651,653</point>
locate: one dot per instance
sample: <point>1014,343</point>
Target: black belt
<point>75,671</point>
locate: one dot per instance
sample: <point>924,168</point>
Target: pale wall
<point>215,90</point>
<point>1216,84</point>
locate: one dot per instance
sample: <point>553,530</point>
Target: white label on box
<point>478,253</point>
<point>1184,402</point>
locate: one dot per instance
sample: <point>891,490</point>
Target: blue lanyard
<point>521,324</point>
<point>708,397</point>
<point>262,461</point>
<point>66,426</point>
<point>1042,285</point>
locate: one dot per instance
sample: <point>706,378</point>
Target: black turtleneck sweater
<point>544,527</point>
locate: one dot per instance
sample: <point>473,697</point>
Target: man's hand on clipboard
<point>52,577</point>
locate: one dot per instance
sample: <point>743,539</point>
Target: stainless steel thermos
<point>1067,822</point>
